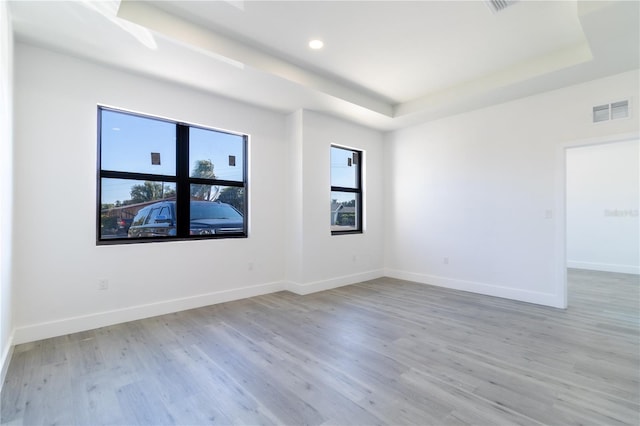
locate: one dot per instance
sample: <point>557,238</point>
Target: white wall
<point>480,189</point>
<point>477,188</point>
<point>324,260</point>
<point>293,215</point>
<point>56,260</point>
<point>6,185</point>
<point>603,197</point>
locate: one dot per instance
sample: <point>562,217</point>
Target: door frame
<point>561,206</point>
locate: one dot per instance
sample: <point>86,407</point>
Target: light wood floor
<point>380,352</point>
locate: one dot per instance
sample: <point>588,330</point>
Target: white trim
<point>33,332</point>
<point>561,204</point>
<point>64,326</point>
<point>605,267</point>
<point>6,360</point>
<point>547,299</point>
<point>329,284</point>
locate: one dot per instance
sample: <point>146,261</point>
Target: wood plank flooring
<point>380,352</point>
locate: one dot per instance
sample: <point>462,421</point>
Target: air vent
<point>612,111</point>
<point>619,110</point>
<point>499,5</point>
<point>600,113</point>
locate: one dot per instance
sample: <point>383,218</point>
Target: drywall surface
<point>293,215</point>
<point>325,260</point>
<point>57,263</point>
<point>603,197</point>
<point>470,199</point>
<point>6,184</point>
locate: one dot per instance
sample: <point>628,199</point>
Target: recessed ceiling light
<point>316,44</point>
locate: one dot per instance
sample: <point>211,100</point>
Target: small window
<point>161,180</point>
<point>346,190</point>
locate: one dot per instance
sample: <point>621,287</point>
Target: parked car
<point>207,218</point>
<point>123,226</point>
<point>114,227</point>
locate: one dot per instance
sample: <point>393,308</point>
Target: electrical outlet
<point>445,260</point>
<point>250,266</point>
<point>103,284</point>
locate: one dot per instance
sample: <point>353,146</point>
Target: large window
<point>346,190</point>
<point>160,180</point>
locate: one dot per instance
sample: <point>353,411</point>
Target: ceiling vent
<point>612,111</point>
<point>499,5</point>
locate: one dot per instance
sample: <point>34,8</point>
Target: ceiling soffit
<point>201,38</point>
<point>208,40</point>
<point>351,80</point>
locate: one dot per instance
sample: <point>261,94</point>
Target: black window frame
<point>182,181</point>
<point>359,157</point>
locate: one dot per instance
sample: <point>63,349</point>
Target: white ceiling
<point>385,64</point>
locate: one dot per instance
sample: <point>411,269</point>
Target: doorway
<point>600,234</point>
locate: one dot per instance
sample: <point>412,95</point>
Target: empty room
<point>319,212</point>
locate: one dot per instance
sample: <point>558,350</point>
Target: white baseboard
<point>33,332</point>
<point>316,286</point>
<point>605,267</point>
<point>6,359</point>
<point>546,299</point>
<point>64,326</point>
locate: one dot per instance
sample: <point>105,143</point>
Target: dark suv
<point>207,218</point>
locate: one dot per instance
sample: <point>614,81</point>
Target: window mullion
<point>136,176</point>
<point>343,189</point>
<point>182,175</point>
<point>220,182</point>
